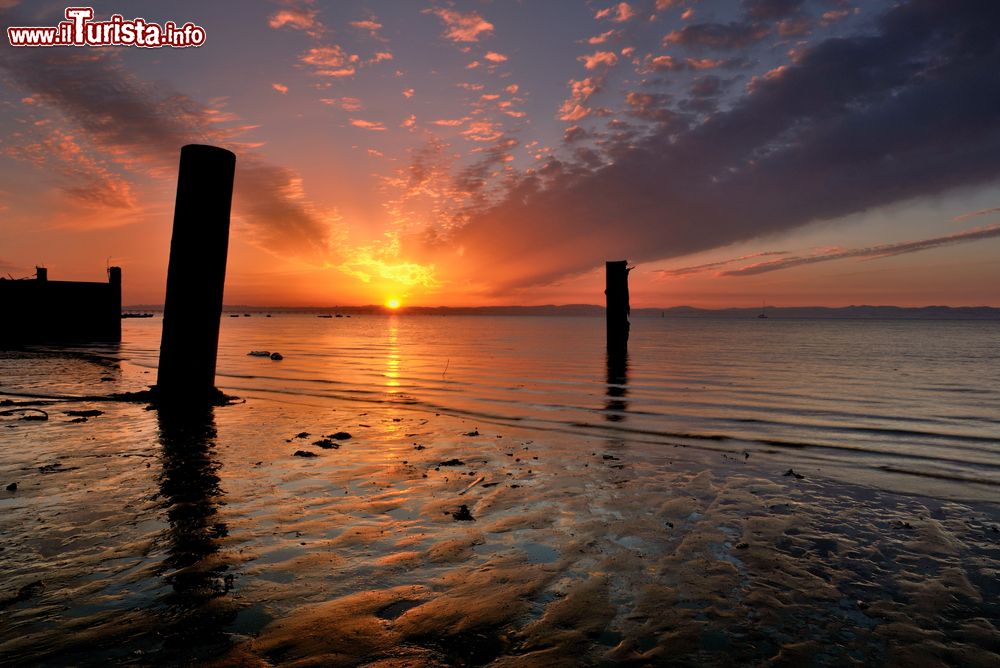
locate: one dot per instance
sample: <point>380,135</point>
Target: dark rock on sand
<point>474,432</point>
<point>452,462</point>
<point>305,453</point>
<point>463,514</point>
<point>340,436</point>
<point>793,474</point>
<point>85,414</point>
<point>303,434</point>
<point>12,487</point>
<point>326,444</point>
<point>277,356</point>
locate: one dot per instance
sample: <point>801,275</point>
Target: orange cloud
<point>495,57</point>
<point>281,88</point>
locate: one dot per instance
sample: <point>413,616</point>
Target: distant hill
<point>593,310</point>
<point>844,312</point>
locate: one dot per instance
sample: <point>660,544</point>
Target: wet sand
<point>148,538</point>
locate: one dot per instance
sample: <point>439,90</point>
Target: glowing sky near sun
<point>497,152</point>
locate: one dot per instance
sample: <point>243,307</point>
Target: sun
<point>393,303</point>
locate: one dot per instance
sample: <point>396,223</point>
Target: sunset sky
<point>798,152</point>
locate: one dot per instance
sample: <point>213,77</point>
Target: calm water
<point>904,404</point>
<point>634,511</point>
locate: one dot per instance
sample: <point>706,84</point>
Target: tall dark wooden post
<point>113,306</point>
<point>196,274</point>
<point>616,296</point>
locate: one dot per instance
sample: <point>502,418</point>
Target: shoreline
<point>600,549</point>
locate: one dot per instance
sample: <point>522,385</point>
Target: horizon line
<point>382,307</point>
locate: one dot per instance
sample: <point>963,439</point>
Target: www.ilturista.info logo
<point>79,30</point>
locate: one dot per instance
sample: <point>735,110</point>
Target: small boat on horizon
<point>762,314</point>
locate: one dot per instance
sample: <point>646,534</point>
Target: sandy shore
<point>137,537</point>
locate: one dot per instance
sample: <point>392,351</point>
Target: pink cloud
<point>703,63</point>
<point>345,103</point>
<point>300,19</point>
<point>618,13</point>
<point>663,64</point>
<point>829,254</point>
<point>599,59</point>
<point>373,26</point>
<point>575,107</point>
<point>330,61</point>
<point>281,88</point>
<point>482,131</point>
<point>603,37</point>
<point>495,57</point>
<point>374,126</point>
<point>461,27</point>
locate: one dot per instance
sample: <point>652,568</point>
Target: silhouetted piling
<point>196,274</point>
<point>616,296</point>
<point>113,317</point>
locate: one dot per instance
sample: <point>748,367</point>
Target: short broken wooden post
<point>196,275</point>
<point>616,296</point>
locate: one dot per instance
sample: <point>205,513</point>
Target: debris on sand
<point>259,353</point>
<point>27,413</point>
<point>12,487</point>
<point>303,434</point>
<point>340,436</point>
<point>78,420</point>
<point>474,432</point>
<point>610,458</point>
<point>277,356</point>
<point>473,483</point>
<point>452,462</point>
<point>84,414</point>
<point>304,453</point>
<point>463,514</point>
<point>327,444</point>
<point>419,447</point>
<point>793,474</point>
